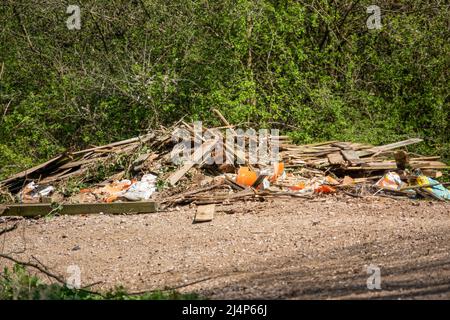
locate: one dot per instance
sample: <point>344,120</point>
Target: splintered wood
<point>349,162</point>
<point>195,159</point>
<point>73,164</point>
<point>353,157</point>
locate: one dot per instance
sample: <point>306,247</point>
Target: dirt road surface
<point>327,248</point>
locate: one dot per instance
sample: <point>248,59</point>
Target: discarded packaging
<point>300,171</point>
<point>32,192</point>
<point>324,189</point>
<point>142,190</point>
<point>391,181</point>
<point>436,188</point>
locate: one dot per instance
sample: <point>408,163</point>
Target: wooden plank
<point>432,173</point>
<point>70,174</point>
<point>54,177</point>
<point>401,159</point>
<point>335,158</point>
<point>320,143</point>
<point>388,147</point>
<point>342,145</point>
<point>42,209</point>
<point>27,172</point>
<point>425,158</point>
<point>399,144</point>
<point>360,146</point>
<point>371,168</point>
<point>205,213</point>
<point>432,165</point>
<point>195,159</point>
<point>351,157</point>
<point>74,164</point>
<point>141,139</point>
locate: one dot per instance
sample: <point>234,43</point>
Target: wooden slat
<point>399,144</point>
<point>196,158</point>
<point>25,173</point>
<point>342,145</point>
<point>205,213</point>
<point>388,147</point>
<point>140,139</point>
<point>54,177</point>
<point>42,209</point>
<point>351,157</point>
<point>74,164</point>
<point>335,158</point>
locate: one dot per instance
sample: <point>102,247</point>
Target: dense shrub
<point>310,68</point>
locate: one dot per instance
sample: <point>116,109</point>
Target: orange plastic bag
<point>278,171</point>
<point>246,177</point>
<point>298,187</point>
<point>324,189</point>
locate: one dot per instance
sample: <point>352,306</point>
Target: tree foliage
<point>311,68</point>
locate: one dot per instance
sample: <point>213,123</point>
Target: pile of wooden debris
<point>303,171</point>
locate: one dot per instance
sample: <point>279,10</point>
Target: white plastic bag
<point>142,190</point>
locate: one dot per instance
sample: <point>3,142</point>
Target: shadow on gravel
<point>343,275</point>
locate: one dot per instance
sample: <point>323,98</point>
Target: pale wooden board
<point>387,147</point>
<point>25,173</point>
<point>342,145</point>
<point>351,157</point>
<point>42,209</point>
<point>335,158</point>
<point>205,213</point>
<point>195,159</point>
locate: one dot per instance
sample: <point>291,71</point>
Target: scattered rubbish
<point>33,192</point>
<point>278,172</point>
<point>391,181</point>
<point>46,191</point>
<point>434,187</point>
<point>348,181</point>
<point>109,192</point>
<point>297,187</point>
<point>114,190</point>
<point>324,189</point>
<point>332,181</point>
<point>142,190</point>
<point>301,171</point>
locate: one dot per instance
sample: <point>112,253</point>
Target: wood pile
<point>348,157</point>
<point>357,162</point>
<point>74,164</point>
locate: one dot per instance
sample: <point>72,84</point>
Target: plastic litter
<point>142,190</point>
<point>32,192</point>
<point>437,190</point>
<point>46,191</point>
<point>391,181</point>
<point>348,181</point>
<point>331,180</point>
<point>114,190</point>
<point>298,187</point>
<point>278,172</point>
<point>324,189</point>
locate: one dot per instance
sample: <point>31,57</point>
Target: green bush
<point>312,69</point>
<point>19,284</point>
